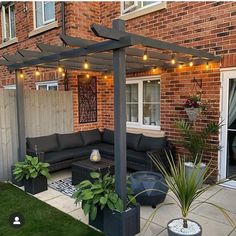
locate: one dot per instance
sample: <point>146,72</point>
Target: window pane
<point>39,14</point>
<point>145,3</point>
<point>12,18</point>
<point>132,102</point>
<point>42,87</point>
<point>52,87</point>
<point>7,23</point>
<point>128,4</point>
<point>49,11</point>
<point>151,102</point>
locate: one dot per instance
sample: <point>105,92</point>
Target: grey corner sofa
<point>61,150</point>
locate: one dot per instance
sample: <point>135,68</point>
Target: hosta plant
<point>30,168</point>
<point>99,194</point>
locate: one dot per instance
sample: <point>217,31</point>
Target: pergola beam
<point>113,34</point>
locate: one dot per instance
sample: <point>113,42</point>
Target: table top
<point>86,163</point>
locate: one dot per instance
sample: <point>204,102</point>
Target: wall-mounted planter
<point>192,113</point>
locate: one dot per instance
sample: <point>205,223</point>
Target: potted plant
<point>195,142</point>
<point>186,191</point>
<point>33,173</point>
<point>105,208</point>
<point>193,107</point>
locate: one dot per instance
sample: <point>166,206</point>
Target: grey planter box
<point>126,223</point>
<point>37,185</point>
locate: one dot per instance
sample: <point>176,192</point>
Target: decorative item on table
<point>193,107</point>
<point>95,156</point>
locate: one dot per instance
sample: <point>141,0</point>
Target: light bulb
<point>207,65</point>
<point>145,56</point>
<point>180,66</point>
<point>59,69</point>
<point>190,63</point>
<point>87,75</point>
<point>37,73</point>
<point>173,61</point>
<point>105,76</point>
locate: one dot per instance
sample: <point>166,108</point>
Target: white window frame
<point>47,83</point>
<point>44,22</point>
<point>139,81</point>
<point>10,86</point>
<point>4,32</point>
<point>126,11</point>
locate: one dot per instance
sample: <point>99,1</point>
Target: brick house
<point>159,93</point>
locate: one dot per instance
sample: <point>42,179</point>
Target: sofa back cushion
<point>150,143</point>
<point>43,143</point>
<point>133,140</point>
<point>108,136</point>
<point>91,136</point>
<point>71,140</point>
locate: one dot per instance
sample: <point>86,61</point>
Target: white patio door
<point>228,132</point>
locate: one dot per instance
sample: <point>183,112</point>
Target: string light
<point>207,65</point>
<point>154,69</point>
<point>63,74</point>
<point>105,76</point>
<point>37,72</point>
<point>145,56</point>
<point>87,76</point>
<point>173,61</point>
<point>190,63</point>
<point>86,65</point>
<point>21,74</point>
<point>59,68</point>
<point>180,66</point>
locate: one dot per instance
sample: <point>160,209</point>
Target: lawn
<point>41,219</point>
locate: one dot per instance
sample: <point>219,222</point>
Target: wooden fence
<point>46,112</point>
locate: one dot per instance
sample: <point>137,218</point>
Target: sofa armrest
<point>33,153</point>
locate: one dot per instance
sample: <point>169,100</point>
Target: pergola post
<point>20,109</point>
<point>120,116</point>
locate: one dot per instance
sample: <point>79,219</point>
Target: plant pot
<point>98,222</point>
<point>37,185</point>
<point>14,181</point>
<point>193,113</point>
<point>126,223</point>
<point>191,232</point>
<point>190,167</point>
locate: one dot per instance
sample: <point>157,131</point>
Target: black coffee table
<point>81,169</point>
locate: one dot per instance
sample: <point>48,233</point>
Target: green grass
<point>41,219</point>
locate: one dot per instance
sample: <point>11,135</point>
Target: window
<point>49,85</point>
<point>8,22</point>
<point>131,6</point>
<point>44,13</point>
<point>143,103</point>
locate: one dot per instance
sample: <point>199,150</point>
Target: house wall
<point>209,26</point>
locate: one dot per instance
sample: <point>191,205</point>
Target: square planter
<point>126,223</point>
<point>98,223</point>
<point>37,185</point>
<point>13,180</point>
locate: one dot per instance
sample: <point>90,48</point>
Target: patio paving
<point>211,219</point>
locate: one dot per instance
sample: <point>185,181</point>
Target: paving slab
<point>150,229</point>
<point>47,195</point>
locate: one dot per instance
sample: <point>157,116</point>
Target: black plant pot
<point>99,220</point>
<point>126,223</point>
<point>13,180</point>
<point>37,185</point>
<point>172,233</point>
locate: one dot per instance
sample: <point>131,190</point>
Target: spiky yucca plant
<point>186,189</point>
<point>195,141</point>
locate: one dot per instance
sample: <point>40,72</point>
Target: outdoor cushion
<point>71,140</point>
<point>108,136</point>
<point>91,136</point>
<point>150,143</point>
<point>54,157</point>
<point>137,157</point>
<point>105,148</point>
<point>43,143</point>
<point>82,151</point>
<point>133,140</point>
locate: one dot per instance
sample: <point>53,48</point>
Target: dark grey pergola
<point>105,56</point>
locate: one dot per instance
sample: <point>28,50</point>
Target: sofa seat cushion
<point>108,136</point>
<point>91,136</point>
<point>55,157</point>
<point>151,143</point>
<point>136,157</point>
<point>43,143</point>
<point>82,151</point>
<point>133,140</point>
<point>67,141</point>
<point>105,148</point>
